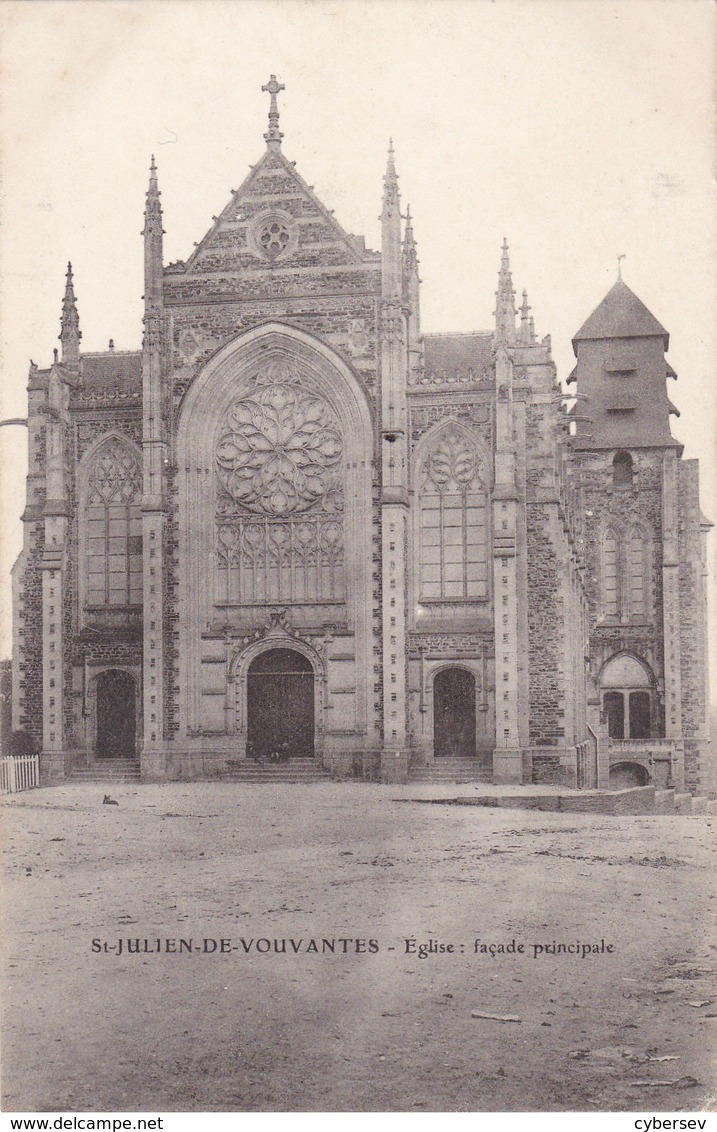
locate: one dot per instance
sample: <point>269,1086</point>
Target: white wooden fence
<point>19,773</point>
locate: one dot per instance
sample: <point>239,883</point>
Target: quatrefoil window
<point>274,238</point>
<point>272,235</point>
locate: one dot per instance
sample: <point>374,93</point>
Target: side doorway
<point>116,715</point>
<point>454,714</point>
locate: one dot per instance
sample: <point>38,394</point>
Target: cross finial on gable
<point>273,135</point>
<point>620,258</point>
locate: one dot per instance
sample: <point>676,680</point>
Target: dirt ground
<point>375,1030</point>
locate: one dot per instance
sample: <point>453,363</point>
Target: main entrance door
<point>116,715</point>
<point>280,700</point>
<point>454,713</point>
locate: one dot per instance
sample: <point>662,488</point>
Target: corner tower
<point>644,536</point>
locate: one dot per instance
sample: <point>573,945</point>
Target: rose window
<point>279,453</point>
<point>279,505</point>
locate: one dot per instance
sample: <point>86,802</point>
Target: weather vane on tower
<point>273,134</point>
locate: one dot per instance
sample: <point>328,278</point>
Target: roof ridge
<point>458,334</point>
<point>107,353</point>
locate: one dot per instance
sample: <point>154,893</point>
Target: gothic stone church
<point>294,527</point>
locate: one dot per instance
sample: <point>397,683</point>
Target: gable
<point>275,221</point>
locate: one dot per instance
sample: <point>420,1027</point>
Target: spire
<point>524,336</point>
<point>410,256</point>
<point>273,135</point>
<point>153,208</point>
<point>411,289</point>
<point>70,332</point>
<point>152,233</point>
<point>505,301</point>
<point>390,184</point>
<point>391,231</point>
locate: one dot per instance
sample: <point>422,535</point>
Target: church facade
<point>292,526</point>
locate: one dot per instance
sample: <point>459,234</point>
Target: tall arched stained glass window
<point>453,525</point>
<point>113,528</point>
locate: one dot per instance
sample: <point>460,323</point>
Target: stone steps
<point>294,770</point>
<point>107,771</point>
<point>452,770</point>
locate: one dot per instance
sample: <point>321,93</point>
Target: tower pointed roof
<point>391,250</point>
<point>70,318</point>
<point>621,315</point>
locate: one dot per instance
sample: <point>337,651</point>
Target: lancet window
<point>622,470</point>
<point>626,558</point>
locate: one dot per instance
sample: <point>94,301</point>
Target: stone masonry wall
<point>692,628</point>
<point>546,616</point>
<point>28,618</point>
<point>604,505</point>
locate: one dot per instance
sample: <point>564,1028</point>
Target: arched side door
<point>454,714</point>
<point>116,715</point>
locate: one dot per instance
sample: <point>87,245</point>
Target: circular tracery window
<point>273,235</point>
<point>274,238</point>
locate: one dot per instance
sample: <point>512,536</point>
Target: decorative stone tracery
<point>279,502</point>
<point>273,235</point>
<point>279,453</point>
<point>452,520</point>
<point>111,528</point>
<point>272,513</point>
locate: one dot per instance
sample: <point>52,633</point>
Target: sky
<point>578,129</point>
